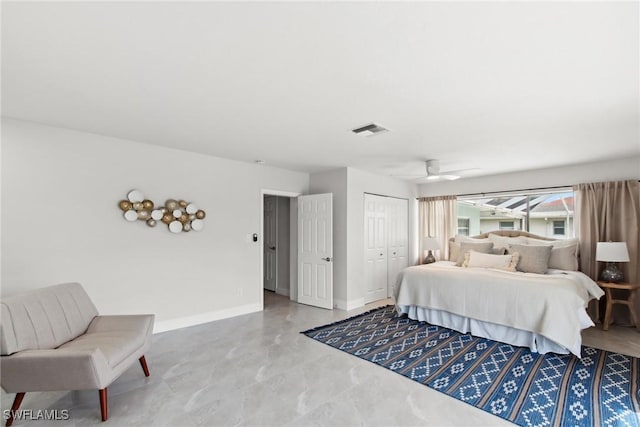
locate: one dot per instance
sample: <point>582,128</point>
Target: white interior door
<point>315,250</point>
<point>269,243</point>
<point>375,274</point>
<point>398,240</point>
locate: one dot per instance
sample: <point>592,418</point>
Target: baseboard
<point>282,291</point>
<point>356,303</point>
<point>183,322</point>
<point>348,305</point>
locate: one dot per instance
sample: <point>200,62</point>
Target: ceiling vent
<point>370,130</point>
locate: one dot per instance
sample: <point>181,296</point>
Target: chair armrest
<point>55,369</point>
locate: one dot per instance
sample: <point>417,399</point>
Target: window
<point>463,226</point>
<point>505,225</point>
<point>547,214</point>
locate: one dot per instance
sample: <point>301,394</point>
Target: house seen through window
<point>548,214</point>
<point>506,225</point>
<point>463,226</point>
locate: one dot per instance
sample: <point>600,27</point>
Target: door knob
<point>327,258</point>
<point>273,248</point>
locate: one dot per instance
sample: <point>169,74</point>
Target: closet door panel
<point>397,224</point>
<point>376,263</point>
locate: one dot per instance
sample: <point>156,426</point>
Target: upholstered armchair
<point>53,339</point>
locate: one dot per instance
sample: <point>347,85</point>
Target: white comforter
<point>544,304</point>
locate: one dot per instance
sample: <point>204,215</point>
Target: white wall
<point>61,222</point>
<point>610,170</point>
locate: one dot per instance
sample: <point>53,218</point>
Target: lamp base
<point>429,258</point>
<point>611,273</point>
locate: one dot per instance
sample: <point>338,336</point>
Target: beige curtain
<point>608,211</point>
<point>438,217</point>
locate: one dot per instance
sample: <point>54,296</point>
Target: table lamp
<point>612,252</point>
<point>431,244</point>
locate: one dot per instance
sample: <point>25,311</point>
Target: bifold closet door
<point>375,273</point>
<point>397,240</point>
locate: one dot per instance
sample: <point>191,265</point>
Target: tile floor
<point>259,370</point>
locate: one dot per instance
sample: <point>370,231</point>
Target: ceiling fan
<point>432,168</point>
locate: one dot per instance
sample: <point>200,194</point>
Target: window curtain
<point>608,211</point>
<point>438,217</point>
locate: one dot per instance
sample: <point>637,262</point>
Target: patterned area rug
<point>526,388</point>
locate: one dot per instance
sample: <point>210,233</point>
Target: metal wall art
<point>177,214</point>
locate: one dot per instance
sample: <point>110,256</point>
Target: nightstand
<point>629,302</point>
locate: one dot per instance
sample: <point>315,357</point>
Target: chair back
<point>44,318</point>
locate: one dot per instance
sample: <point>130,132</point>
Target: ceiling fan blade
<point>459,171</point>
<point>449,176</point>
<point>408,176</point>
<point>434,174</point>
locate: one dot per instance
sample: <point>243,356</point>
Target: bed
<point>528,304</point>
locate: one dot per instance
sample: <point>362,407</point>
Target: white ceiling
<point>501,86</point>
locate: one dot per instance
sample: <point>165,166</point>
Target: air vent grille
<point>370,130</point>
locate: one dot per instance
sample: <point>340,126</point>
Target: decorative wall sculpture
<point>177,214</point>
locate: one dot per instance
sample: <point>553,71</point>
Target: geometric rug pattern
<point>528,389</point>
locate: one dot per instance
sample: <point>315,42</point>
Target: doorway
<point>278,245</point>
<point>275,244</point>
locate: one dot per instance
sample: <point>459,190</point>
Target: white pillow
<point>566,242</point>
<point>561,243</point>
<point>455,247</point>
<point>465,247</point>
<point>473,259</point>
<point>460,238</point>
<point>505,242</point>
<point>534,241</point>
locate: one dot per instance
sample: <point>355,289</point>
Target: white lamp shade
<point>612,252</point>
<point>430,243</point>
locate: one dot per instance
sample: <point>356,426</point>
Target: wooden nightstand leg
<point>632,309</point>
<point>607,312</point>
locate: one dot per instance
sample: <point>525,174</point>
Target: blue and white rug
<point>529,389</point>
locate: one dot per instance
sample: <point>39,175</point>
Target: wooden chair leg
<point>104,405</point>
<point>14,408</point>
<point>145,368</point>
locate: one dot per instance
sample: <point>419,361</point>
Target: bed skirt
<point>535,342</point>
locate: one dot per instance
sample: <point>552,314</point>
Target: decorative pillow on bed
<point>473,259</point>
<point>499,251</point>
<point>454,246</point>
<point>533,258</point>
<point>564,255</point>
<point>454,251</point>
<point>505,242</point>
<point>564,258</point>
<point>469,246</point>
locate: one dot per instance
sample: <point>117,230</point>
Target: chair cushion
<point>116,336</point>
